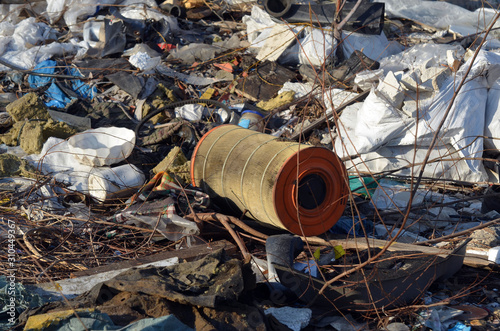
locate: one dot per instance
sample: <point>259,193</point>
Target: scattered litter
<point>250,165</point>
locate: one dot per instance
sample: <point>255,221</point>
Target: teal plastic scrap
<point>97,321</point>
<point>357,187</point>
<point>22,300</point>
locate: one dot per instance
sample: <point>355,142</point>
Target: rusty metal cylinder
<point>292,186</point>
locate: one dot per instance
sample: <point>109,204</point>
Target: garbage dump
<point>249,165</point>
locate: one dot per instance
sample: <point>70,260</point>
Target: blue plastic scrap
<point>460,327</point>
<point>352,226</point>
<point>309,267</point>
<point>56,96</point>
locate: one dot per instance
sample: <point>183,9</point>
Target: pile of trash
<point>229,164</point>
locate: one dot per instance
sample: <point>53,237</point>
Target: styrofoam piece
<point>103,146</point>
<point>413,81</point>
<point>410,108</point>
<point>453,60</point>
<point>436,76</point>
<point>144,62</point>
<point>108,183</point>
<point>494,254</point>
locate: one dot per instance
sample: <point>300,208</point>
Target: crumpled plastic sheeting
<point>72,10</point>
<point>444,162</point>
<point>259,26</point>
<point>57,98</point>
<point>441,15</point>
<point>17,43</point>
<point>463,128</point>
<point>27,59</point>
<point>377,123</point>
<point>202,294</point>
<point>24,35</point>
<point>492,120</point>
<point>200,283</point>
<point>430,55</point>
<point>11,13</point>
<point>316,45</point>
<point>163,214</point>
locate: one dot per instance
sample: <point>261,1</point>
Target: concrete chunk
<point>413,82</point>
<point>391,90</point>
<point>410,108</point>
<point>436,76</point>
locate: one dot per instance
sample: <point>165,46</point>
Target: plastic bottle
<point>251,119</point>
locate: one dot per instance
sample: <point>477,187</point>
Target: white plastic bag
<point>375,47</point>
<point>316,47</point>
